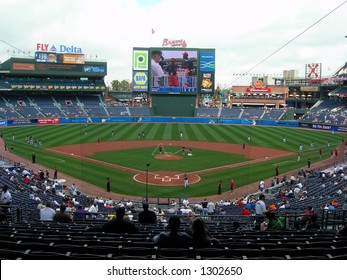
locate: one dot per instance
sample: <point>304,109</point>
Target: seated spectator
<point>62,216</point>
<point>335,203</point>
<point>311,223</point>
<point>6,198</point>
<point>147,216</point>
<point>26,179</point>
<point>110,202</point>
<point>342,231</point>
<point>272,207</point>
<point>200,234</point>
<point>245,211</point>
<point>47,213</point>
<point>185,202</point>
<point>161,216</point>
<point>129,205</point>
<point>119,224</point>
<point>173,238</point>
<point>94,208</point>
<point>80,213</point>
<point>272,222</point>
<point>191,215</point>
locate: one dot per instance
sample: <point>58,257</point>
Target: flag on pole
<point>153,31</point>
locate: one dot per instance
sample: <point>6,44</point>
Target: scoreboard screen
<point>65,58</point>
<point>173,70</point>
<point>46,57</point>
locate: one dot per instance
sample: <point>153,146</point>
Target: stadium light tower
<point>147,168</point>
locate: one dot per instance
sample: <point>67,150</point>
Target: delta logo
<point>41,47</point>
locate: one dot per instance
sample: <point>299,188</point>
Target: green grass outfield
<point>122,182</point>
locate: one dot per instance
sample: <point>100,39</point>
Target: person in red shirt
<point>309,212</point>
<point>335,203</point>
<point>232,186</point>
<point>245,212</point>
<point>26,179</point>
<point>239,202</point>
<point>320,152</point>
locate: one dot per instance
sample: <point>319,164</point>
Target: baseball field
<point>134,155</point>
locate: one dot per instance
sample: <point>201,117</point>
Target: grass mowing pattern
<point>58,135</point>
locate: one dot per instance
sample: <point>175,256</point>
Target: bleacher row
<point>14,106</point>
<point>333,112</point>
<point>24,236</point>
<point>238,113</point>
<point>71,241</point>
<point>41,105</point>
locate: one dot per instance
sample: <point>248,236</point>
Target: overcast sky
<point>243,32</point>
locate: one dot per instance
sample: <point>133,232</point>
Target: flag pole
<point>152,32</point>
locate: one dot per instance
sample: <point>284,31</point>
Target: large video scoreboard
<point>173,70</point>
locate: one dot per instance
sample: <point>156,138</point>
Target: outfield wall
<point>173,105</point>
<point>150,119</point>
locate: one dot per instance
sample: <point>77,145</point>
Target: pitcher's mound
<point>168,157</point>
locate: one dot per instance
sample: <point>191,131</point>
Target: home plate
<point>170,144</point>
<point>72,154</point>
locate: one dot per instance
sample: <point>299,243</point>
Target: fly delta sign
<point>41,47</point>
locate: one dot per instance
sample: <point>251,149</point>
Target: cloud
<point>242,32</point>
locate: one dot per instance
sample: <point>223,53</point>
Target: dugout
<point>173,105</point>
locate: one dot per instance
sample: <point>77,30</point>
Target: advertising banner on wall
<point>140,81</point>
<point>69,58</point>
<point>140,60</point>
<point>48,121</point>
<point>207,61</point>
<point>3,123</point>
<point>207,82</point>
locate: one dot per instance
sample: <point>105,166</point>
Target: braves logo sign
<point>174,43</point>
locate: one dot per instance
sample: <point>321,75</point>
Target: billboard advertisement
<point>140,60</point>
<point>207,61</point>
<point>46,57</point>
<point>48,121</point>
<point>207,82</point>
<point>23,66</point>
<point>71,58</point>
<point>140,81</point>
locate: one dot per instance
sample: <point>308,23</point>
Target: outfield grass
<point>122,182</point>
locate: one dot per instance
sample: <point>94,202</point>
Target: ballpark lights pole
<point>147,167</point>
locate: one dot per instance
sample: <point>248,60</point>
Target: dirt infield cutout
<point>168,178</point>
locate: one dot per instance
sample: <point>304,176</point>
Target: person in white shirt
<point>260,206</point>
<point>185,202</point>
<point>156,69</point>
<point>210,208</point>
<point>261,185</point>
<point>47,213</point>
<point>94,208</point>
<point>6,197</point>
